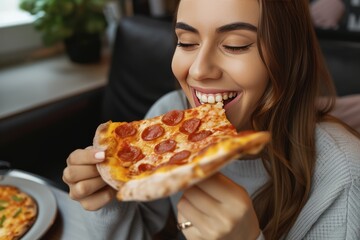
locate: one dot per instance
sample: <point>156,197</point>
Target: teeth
<point>214,98</point>
<point>218,98</point>
<point>211,99</point>
<point>204,98</point>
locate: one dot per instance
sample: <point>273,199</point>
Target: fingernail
<point>100,155</point>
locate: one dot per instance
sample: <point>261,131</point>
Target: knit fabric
<point>332,211</point>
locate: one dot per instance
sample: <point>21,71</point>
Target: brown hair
<point>289,110</point>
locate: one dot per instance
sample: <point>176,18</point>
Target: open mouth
<point>213,98</point>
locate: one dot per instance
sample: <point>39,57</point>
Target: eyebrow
<point>237,26</point>
<point>222,29</point>
<point>186,27</point>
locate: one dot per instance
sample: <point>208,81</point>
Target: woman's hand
<point>84,181</point>
<point>218,208</point>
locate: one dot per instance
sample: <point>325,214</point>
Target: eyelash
<point>228,48</point>
<point>238,48</point>
<point>185,45</point>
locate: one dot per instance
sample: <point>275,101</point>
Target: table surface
<point>67,224</point>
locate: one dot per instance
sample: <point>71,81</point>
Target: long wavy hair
<point>290,110</point>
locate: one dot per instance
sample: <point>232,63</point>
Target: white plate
<point>45,199</point>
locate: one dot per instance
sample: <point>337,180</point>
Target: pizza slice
<point>18,212</point>
<point>154,158</point>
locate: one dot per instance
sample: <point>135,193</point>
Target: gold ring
<point>184,225</point>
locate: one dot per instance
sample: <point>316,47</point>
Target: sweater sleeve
<point>333,208</point>
<point>126,220</point>
<point>353,226</point>
<point>341,218</point>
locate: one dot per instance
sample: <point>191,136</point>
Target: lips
<point>226,97</point>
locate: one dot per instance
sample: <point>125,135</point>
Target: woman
<point>262,59</point>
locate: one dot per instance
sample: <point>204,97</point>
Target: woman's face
<point>217,58</point>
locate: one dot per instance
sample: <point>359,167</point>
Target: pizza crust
<point>99,135</point>
<point>104,169</point>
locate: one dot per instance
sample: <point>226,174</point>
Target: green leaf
<point>16,198</point>
<point>17,212</point>
<point>3,204</point>
<point>2,220</point>
<point>59,19</point>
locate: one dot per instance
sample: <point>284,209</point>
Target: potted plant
<point>79,23</point>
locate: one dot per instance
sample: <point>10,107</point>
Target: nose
<point>205,65</point>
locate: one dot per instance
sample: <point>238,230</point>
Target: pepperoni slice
<point>190,126</point>
<point>180,157</point>
<point>145,167</point>
<point>173,117</point>
<point>165,146</point>
<point>152,132</point>
<point>130,153</point>
<point>198,136</point>
<point>125,130</point>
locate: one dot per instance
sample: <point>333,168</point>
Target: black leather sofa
<point>343,60</point>
<point>140,70</point>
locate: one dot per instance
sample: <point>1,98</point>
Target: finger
<point>190,232</point>
<point>192,214</point>
<point>85,188</point>
<point>85,156</point>
<point>219,187</point>
<point>201,200</point>
<point>98,199</point>
<point>75,173</point>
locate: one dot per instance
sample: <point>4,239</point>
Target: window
<point>16,30</point>
<point>10,14</point>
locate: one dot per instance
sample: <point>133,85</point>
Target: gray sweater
<point>332,211</point>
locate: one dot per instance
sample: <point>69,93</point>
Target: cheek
<point>252,77</point>
<point>179,67</point>
<point>250,74</point>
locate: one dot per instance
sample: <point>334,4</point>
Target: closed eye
<point>237,49</point>
<point>186,45</point>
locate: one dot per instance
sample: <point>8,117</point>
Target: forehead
<point>218,12</point>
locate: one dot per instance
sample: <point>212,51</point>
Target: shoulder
<point>170,101</point>
<point>338,153</point>
<point>333,203</point>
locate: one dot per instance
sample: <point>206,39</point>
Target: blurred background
<point>67,66</point>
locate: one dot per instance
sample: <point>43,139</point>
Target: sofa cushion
<point>140,70</point>
<point>343,61</point>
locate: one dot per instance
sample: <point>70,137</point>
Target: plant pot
<point>84,48</point>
